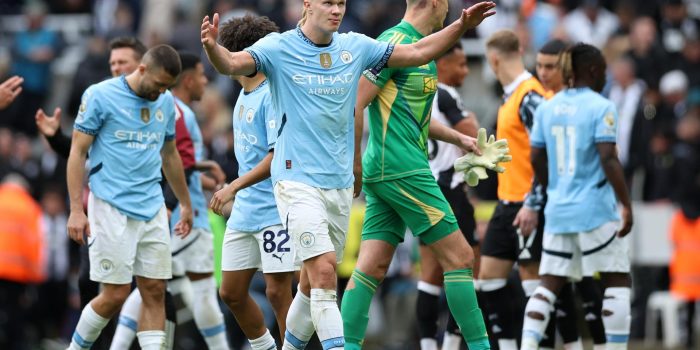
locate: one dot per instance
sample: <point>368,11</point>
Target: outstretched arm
<point>223,60</point>
<point>430,47</point>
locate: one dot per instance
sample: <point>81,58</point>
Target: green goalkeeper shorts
<point>415,202</point>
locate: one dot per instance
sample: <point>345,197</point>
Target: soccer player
<point>127,125</point>
<point>193,257</point>
<point>503,244</point>
<point>447,109</point>
<point>550,74</point>
<point>400,188</point>
<point>255,238</point>
<point>313,73</point>
<point>125,54</point>
<point>574,156</point>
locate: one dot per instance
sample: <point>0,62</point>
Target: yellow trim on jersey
<point>387,96</point>
<point>433,214</point>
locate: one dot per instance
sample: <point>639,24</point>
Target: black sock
<point>592,305</point>
<point>427,311</point>
<point>452,326</point>
<point>566,318</point>
<point>499,308</point>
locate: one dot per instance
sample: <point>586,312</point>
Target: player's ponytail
<point>303,17</point>
<point>566,69</point>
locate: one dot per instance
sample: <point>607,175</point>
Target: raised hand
<point>48,124</point>
<point>9,90</point>
<point>210,31</point>
<point>475,14</point>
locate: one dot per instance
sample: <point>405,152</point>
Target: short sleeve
<point>528,105</point>
<point>606,125</point>
<point>263,52</point>
<point>536,133</point>
<point>171,113</point>
<point>375,53</point>
<point>90,117</point>
<point>271,124</point>
<point>451,107</point>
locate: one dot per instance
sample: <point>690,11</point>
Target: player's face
<point>154,81</point>
<point>453,67</point>
<point>199,82</point>
<point>549,72</point>
<point>326,14</point>
<point>122,61</point>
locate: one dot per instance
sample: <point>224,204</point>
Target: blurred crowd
<point>652,48</point>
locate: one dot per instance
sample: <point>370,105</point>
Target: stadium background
<point>652,46</point>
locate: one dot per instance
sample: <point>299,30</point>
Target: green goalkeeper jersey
<point>399,116</point>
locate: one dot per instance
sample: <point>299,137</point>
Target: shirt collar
<point>508,89</point>
<point>306,38</point>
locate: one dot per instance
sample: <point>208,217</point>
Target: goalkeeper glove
<point>492,152</point>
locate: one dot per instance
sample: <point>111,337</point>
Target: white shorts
<point>317,219</point>
<point>582,254</point>
<point>121,247</point>
<point>270,249</point>
<point>195,253</point>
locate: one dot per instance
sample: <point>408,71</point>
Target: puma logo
<point>278,257</point>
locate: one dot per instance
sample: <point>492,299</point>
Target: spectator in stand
<point>51,308</point>
<point>690,64</point>
<point>644,50</point>
<point>32,52</point>
<point>661,164</point>
<point>685,226</point>
<point>590,23</point>
<point>21,257</point>
<point>676,28</point>
<point>627,93</point>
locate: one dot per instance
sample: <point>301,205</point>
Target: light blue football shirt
<point>314,89</point>
<point>254,132</point>
<point>199,202</point>
<point>124,159</point>
<point>579,197</point>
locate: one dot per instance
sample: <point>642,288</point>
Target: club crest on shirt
<point>325,59</point>
<point>345,56</point>
<point>249,116</point>
<point>159,115</point>
<point>609,119</point>
<point>145,115</point>
<point>240,112</point>
<point>429,84</point>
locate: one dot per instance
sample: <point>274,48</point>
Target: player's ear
<point>141,68</point>
<point>435,3</point>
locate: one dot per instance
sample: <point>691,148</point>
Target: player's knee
<point>152,291</point>
<point>278,295</point>
<point>233,297</point>
<point>116,295</point>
